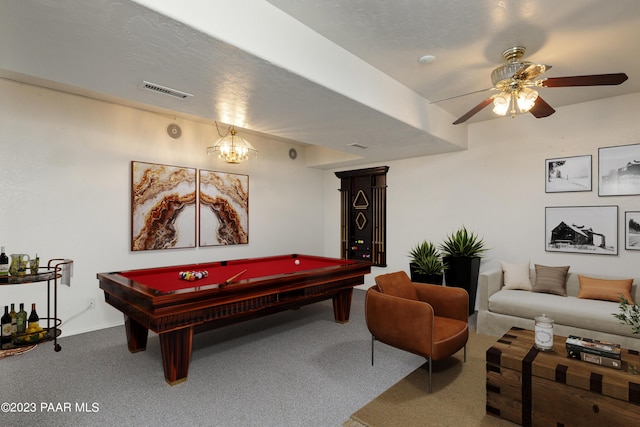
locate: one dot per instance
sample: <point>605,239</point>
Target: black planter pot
<point>463,272</point>
<point>434,279</point>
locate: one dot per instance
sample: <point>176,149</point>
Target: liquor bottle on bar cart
<point>6,326</point>
<point>34,319</point>
<point>14,320</point>
<point>22,320</point>
<point>34,330</point>
<point>4,263</point>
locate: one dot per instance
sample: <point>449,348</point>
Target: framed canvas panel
<point>619,170</point>
<point>568,174</point>
<point>224,208</point>
<point>582,229</point>
<point>632,230</point>
<point>163,206</point>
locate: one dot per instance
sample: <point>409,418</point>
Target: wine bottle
<point>14,320</point>
<point>6,326</point>
<point>4,263</point>
<point>34,319</point>
<point>22,320</point>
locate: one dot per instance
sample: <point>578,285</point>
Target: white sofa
<point>500,309</point>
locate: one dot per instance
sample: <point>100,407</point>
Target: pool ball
<point>297,262</point>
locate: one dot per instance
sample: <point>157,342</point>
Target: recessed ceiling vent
<point>153,87</point>
<point>356,145</point>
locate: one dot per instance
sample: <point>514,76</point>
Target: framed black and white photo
<point>568,174</point>
<point>582,229</point>
<point>632,230</point>
<point>619,170</point>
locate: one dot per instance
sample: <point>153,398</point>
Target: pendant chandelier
<point>232,148</point>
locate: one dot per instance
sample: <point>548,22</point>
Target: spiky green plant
<point>463,243</point>
<point>629,314</point>
<point>430,265</point>
<point>426,258</point>
<point>423,250</point>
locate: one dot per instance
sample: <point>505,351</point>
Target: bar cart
<point>57,269</point>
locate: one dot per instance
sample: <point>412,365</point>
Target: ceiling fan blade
<point>464,94</point>
<point>589,80</point>
<point>530,71</point>
<point>474,111</point>
<point>541,109</point>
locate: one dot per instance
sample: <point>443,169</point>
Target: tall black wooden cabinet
<point>363,206</point>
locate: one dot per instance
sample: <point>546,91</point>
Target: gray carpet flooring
<point>296,368</point>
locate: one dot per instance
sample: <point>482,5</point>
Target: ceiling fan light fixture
<point>514,80</point>
<point>526,99</point>
<point>504,73</point>
<point>232,148</point>
<point>501,103</point>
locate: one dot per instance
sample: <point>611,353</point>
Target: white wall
<point>497,188</point>
<point>65,186</point>
<point>65,183</point>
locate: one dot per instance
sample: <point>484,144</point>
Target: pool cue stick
<point>230,279</point>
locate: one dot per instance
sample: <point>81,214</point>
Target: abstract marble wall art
<point>224,208</point>
<point>163,206</point>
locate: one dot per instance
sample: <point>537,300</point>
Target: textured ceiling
<point>467,38</point>
<point>328,73</point>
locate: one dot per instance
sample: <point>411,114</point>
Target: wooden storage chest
<point>536,388</point>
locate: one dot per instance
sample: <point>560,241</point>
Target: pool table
<point>160,300</point>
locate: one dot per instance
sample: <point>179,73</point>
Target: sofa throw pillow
<point>397,285</point>
<point>551,280</point>
<point>605,289</point>
<point>516,275</point>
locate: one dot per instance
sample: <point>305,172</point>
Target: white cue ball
<point>297,262</point>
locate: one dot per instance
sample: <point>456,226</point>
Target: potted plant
<point>629,314</point>
<point>461,253</point>
<point>426,264</point>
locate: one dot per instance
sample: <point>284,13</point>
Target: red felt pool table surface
<point>157,299</point>
<point>167,279</point>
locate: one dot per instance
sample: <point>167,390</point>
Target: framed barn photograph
<point>224,208</point>
<point>582,229</point>
<point>568,174</point>
<point>632,230</point>
<point>619,170</point>
<point>163,206</point>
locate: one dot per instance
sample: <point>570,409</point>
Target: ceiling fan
<point>514,81</point>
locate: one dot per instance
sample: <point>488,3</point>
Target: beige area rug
<point>458,397</point>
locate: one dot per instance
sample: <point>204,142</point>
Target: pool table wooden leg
<point>176,354</point>
<point>136,335</point>
<point>342,305</point>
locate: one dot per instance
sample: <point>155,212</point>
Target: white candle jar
<point>544,333</point>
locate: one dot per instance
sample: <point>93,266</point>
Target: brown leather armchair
<point>427,320</point>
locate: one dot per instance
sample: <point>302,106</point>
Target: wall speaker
<point>174,131</point>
